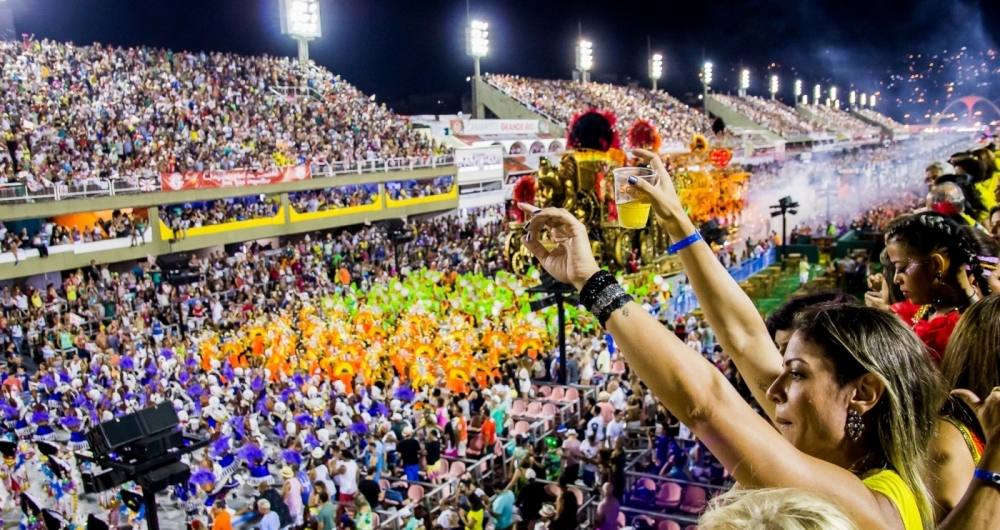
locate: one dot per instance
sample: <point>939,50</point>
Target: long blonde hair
<point>773,509</point>
<point>860,340</point>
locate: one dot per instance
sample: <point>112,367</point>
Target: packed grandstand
<point>353,377</point>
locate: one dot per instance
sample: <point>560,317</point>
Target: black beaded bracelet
<point>613,306</point>
<point>597,283</point>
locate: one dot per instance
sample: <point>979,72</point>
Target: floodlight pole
<point>303,50</point>
<point>476,112</point>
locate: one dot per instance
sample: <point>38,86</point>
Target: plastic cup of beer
<point>633,203</point>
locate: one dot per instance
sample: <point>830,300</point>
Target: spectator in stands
<point>566,517</point>
<point>221,520</point>
<point>531,497</point>
<point>409,451</point>
<point>502,510</point>
<point>325,517</point>
<point>269,520</point>
<point>608,509</point>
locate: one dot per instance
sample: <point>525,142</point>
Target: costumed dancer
<point>59,484</point>
<point>256,461</point>
<point>40,420</point>
<point>77,438</point>
<point>13,472</point>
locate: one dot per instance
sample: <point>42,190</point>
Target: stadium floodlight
<point>871,101</point>
<point>774,86</point>
<point>853,98</point>
<point>798,88</point>
<point>817,93</point>
<point>584,58</point>
<point>706,82</point>
<point>864,99</point>
<point>744,82</point>
<point>477,46</point>
<point>833,94</point>
<point>300,20</point>
<point>655,68</point>
<point>477,42</point>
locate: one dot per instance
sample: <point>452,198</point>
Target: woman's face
<point>811,408</point>
<point>913,273</point>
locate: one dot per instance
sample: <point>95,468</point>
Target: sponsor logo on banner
<point>477,127</point>
<point>196,180</point>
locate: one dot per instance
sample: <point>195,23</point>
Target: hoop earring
<point>855,426</point>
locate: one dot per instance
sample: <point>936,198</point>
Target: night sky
<point>410,53</point>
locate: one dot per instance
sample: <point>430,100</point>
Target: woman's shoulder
<point>891,486</point>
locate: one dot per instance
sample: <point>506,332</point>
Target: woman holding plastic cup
<point>854,398</point>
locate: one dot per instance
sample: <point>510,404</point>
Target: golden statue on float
<point>583,185</point>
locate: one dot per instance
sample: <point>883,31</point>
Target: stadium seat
<point>557,394</point>
<point>553,490</point>
<point>649,522</point>
<point>607,412</point>
<point>667,524</point>
<point>443,470</point>
<point>621,519</point>
<point>521,427</point>
<point>415,493</point>
<point>572,395</point>
<point>534,410</point>
<point>544,390</point>
<point>456,471</point>
<point>694,501</point>
<point>579,495</point>
<point>618,367</point>
<point>643,493</point>
<point>475,447</point>
<point>384,484</point>
<point>669,495</point>
<point>517,408</point>
<point>549,411</point>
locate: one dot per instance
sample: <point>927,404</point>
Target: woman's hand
<point>665,201</point>
<point>571,261</point>
<point>987,411</point>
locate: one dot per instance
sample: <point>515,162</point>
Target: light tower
<point>584,59</point>
<point>853,99</point>
<point>817,92</point>
<point>798,92</point>
<point>655,68</point>
<point>706,81</point>
<point>833,96</point>
<point>300,20</point>
<point>744,82</point>
<point>774,86</point>
<point>871,101</point>
<point>864,99</point>
<point>477,45</point>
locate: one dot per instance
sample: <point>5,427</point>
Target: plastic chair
<point>649,521</point>
<point>553,490</point>
<point>521,427</point>
<point>669,495</point>
<point>443,471</point>
<point>517,408</point>
<point>475,447</point>
<point>549,410</point>
<point>557,394</point>
<point>572,395</point>
<point>534,410</point>
<point>544,390</point>
<point>694,501</point>
<point>621,519</point>
<point>647,500</point>
<point>618,367</point>
<point>457,470</point>
<point>607,411</point>
<point>667,524</point>
<point>415,493</point>
<point>579,495</point>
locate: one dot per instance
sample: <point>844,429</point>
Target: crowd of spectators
<point>76,113</point>
<point>181,217</point>
<point>333,198</point>
<point>844,121</point>
<point>772,115</point>
<point>409,189</point>
<point>881,119</point>
<point>119,225</point>
<point>561,99</point>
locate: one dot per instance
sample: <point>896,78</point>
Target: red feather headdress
<point>642,135</point>
<point>587,132</point>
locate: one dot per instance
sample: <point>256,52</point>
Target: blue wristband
<point>988,476</point>
<point>685,243</point>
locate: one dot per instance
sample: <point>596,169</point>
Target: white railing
<point>20,192</point>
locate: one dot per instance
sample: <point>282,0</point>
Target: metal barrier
<point>21,192</point>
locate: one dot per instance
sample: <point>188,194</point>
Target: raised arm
<point>980,507</point>
<point>695,391</point>
<point>729,311</point>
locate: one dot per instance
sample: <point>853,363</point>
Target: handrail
<point>26,192</point>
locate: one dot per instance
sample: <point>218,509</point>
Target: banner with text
<point>479,127</point>
<point>199,180</point>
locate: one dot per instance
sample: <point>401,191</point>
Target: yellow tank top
<point>890,484</point>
